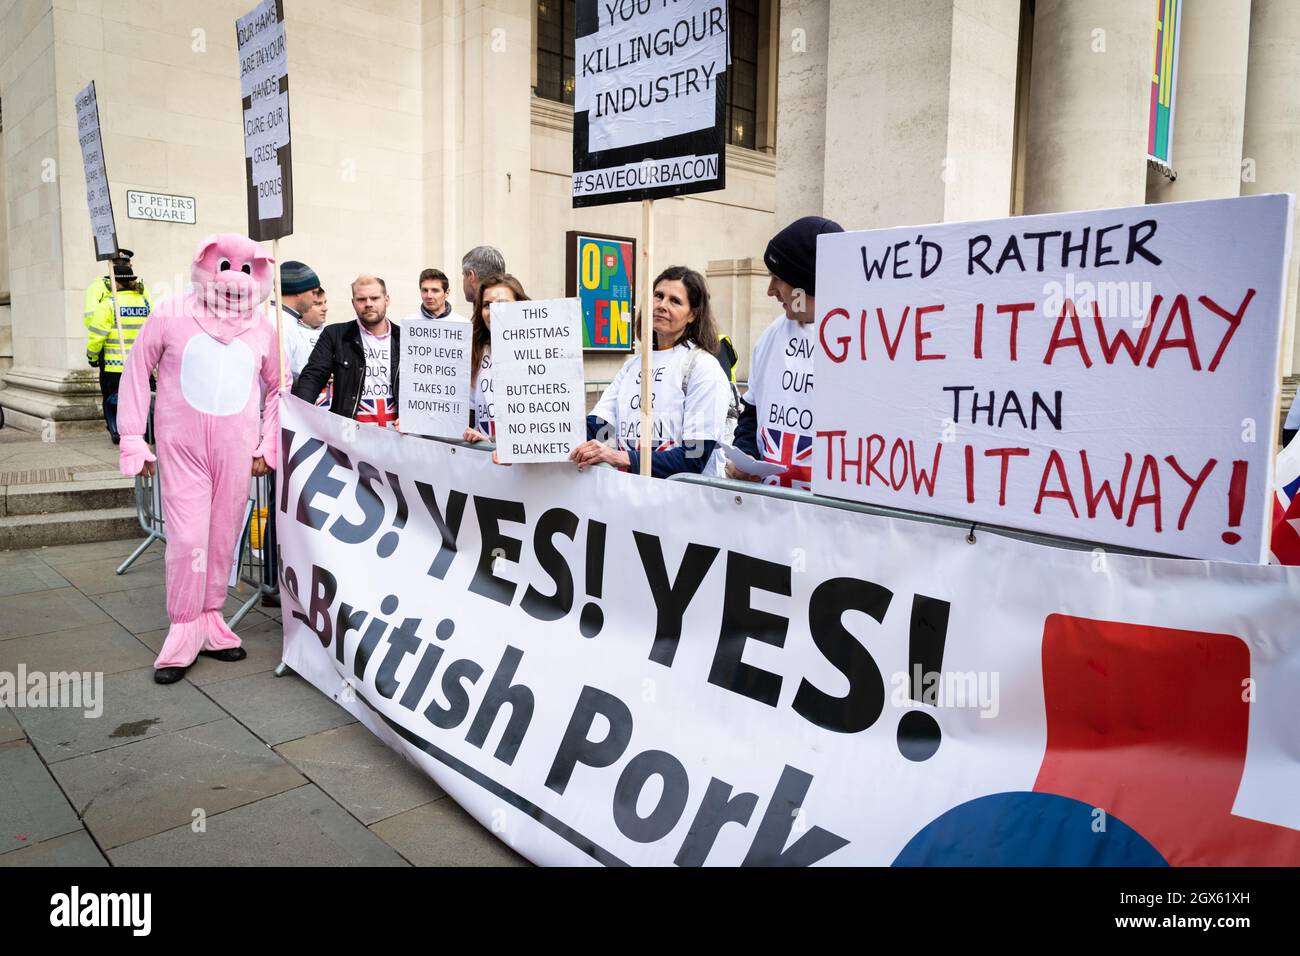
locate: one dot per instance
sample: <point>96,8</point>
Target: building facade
<point>424,127</point>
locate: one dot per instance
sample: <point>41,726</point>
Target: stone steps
<point>61,496</point>
<point>93,508</point>
<point>68,527</point>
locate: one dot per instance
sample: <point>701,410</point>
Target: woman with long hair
<point>691,394</point>
<point>498,288</point>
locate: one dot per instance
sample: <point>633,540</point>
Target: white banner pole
<point>647,330</point>
<point>279,312</point>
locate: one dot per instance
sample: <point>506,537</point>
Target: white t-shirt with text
<point>697,414</point>
<point>377,406</point>
<point>484,400</point>
<point>780,389</point>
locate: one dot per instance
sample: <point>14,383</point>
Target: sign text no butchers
<point>1109,376</point>
<point>537,375</point>
<point>650,99</point>
<point>264,88</point>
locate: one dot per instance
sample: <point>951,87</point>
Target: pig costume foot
<point>209,636</point>
<point>215,354</point>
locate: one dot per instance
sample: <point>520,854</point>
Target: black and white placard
<point>650,99</point>
<point>434,373</point>
<point>264,89</point>
<point>92,157</point>
<point>538,378</point>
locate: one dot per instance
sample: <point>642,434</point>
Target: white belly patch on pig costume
<point>217,379</point>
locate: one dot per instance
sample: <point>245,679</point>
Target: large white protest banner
<point>649,99</point>
<point>537,375</point>
<point>434,371</point>
<point>608,669</point>
<point>98,197</point>
<point>264,89</point>
<point>1109,376</point>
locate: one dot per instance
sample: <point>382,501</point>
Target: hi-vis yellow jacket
<point>97,292</point>
<point>132,309</point>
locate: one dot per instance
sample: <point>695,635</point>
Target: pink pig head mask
<point>232,275</point>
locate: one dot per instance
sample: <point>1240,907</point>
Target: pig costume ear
<point>263,264</point>
<point>209,243</point>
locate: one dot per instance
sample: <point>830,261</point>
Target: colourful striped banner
<point>1164,78</point>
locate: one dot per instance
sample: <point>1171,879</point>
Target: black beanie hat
<point>297,277</point>
<point>791,256</point>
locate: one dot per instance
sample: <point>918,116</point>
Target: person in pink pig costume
<point>210,346</point>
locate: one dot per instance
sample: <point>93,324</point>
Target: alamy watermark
<point>75,909</point>
<point>77,690</point>
<point>951,689</point>
<point>1113,300</point>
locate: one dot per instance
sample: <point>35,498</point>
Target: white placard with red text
<point>1108,376</point>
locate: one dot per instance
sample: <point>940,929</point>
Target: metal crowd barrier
<point>255,560</point>
<point>807,497</point>
<point>256,557</point>
<point>149,512</point>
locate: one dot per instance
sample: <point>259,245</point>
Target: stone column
<point>738,294</point>
<point>1089,100</point>
<point>49,380</point>
<point>801,108</point>
<point>442,48</point>
<point>1270,157</point>
<point>477,120</point>
<point>1210,104</point>
<point>920,111</point>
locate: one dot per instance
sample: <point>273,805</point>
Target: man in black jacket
<point>362,357</point>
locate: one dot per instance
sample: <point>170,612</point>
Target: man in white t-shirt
<point>361,357</point>
<point>776,419</point>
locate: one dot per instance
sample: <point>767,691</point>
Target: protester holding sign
<point>499,288</point>
<point>690,392</point>
<point>362,358</point>
<point>776,421</point>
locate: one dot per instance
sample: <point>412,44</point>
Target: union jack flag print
<point>792,450</point>
<point>1286,506</point>
<point>377,411</point>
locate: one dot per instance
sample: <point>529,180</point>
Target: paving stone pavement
<point>230,766</point>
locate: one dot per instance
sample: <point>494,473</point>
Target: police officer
<point>100,290</point>
<point>104,350</point>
